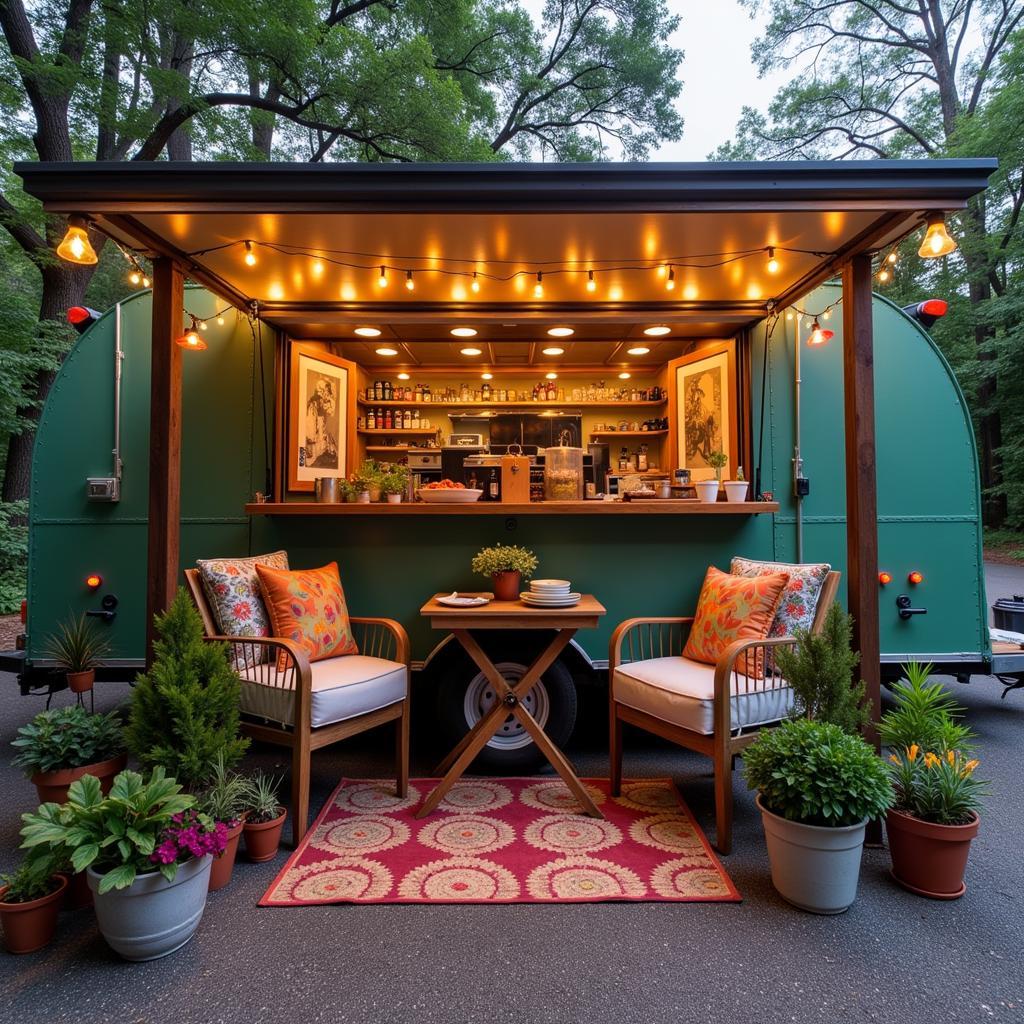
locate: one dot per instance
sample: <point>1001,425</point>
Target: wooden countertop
<point>514,615</point>
<point>651,506</point>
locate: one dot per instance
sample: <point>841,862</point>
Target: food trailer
<point>444,317</point>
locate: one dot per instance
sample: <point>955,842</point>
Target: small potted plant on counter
<point>817,788</point>
<point>78,649</point>
<point>264,817</point>
<point>370,475</point>
<point>30,898</point>
<point>394,482</point>
<point>707,490</point>
<point>736,490</point>
<point>507,566</point>
<point>351,490</point>
<point>938,796</point>
<point>147,853</point>
<point>224,801</point>
<point>63,744</point>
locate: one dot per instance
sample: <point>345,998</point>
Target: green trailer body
<point>928,496</point>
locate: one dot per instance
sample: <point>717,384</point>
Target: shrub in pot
<point>147,852</point>
<point>817,788</point>
<point>30,898</point>
<point>507,566</point>
<point>79,649</point>
<point>63,744</point>
<point>264,817</point>
<point>394,482</point>
<point>224,800</point>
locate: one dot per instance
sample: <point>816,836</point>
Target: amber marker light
<point>915,577</point>
<point>94,581</point>
<point>885,578</point>
<point>75,246</point>
<point>937,241</point>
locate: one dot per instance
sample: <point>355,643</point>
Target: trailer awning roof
<point>320,233</point>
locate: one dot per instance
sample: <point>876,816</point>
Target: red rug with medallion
<point>502,841</point>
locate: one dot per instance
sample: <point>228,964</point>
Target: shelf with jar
<point>383,393</point>
<point>628,433</point>
<point>396,432</point>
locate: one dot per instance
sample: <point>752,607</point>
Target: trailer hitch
<point>903,603</point>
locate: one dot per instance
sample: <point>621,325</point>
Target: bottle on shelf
<point>641,459</point>
<point>407,420</point>
<point>624,461</point>
<point>493,487</point>
<point>378,391</point>
<point>415,419</point>
<point>371,419</point>
<point>389,391</point>
<point>485,392</point>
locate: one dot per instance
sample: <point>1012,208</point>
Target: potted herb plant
<point>817,788</point>
<point>147,852</point>
<point>30,898</point>
<point>224,801</point>
<point>370,475</point>
<point>394,482</point>
<point>707,490</point>
<point>736,490</point>
<point>79,649</point>
<point>938,796</point>
<point>264,817</point>
<point>63,744</point>
<point>507,566</point>
<point>350,490</point>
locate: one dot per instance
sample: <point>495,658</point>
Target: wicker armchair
<point>715,710</point>
<point>290,703</point>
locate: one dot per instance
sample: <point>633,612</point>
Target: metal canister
<point>325,489</point>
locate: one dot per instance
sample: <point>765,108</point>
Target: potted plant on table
<point>394,482</point>
<point>370,474</point>
<point>351,490</point>
<point>707,490</point>
<point>147,852</point>
<point>264,817</point>
<point>79,649</point>
<point>63,744</point>
<point>938,796</point>
<point>30,898</point>
<point>817,788</point>
<point>507,566</point>
<point>224,800</point>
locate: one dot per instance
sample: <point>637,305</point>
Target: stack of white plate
<point>550,594</point>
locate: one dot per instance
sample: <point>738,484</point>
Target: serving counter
<point>648,507</point>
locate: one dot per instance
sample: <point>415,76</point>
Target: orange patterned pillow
<point>307,606</point>
<point>733,608</point>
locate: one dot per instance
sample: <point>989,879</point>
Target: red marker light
<point>885,578</point>
<point>94,581</point>
<point>934,307</point>
<point>915,577</point>
<point>76,314</point>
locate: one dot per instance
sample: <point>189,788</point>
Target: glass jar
<point>563,474</point>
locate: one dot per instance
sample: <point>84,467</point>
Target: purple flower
<point>165,853</point>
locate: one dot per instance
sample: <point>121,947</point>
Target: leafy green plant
<point>820,670</point>
<point>350,490</point>
<point>394,479</point>
<point>369,474</point>
<point>817,774</point>
<point>924,714</point>
<point>224,799</point>
<point>717,461</point>
<point>943,790</point>
<point>260,799</point>
<point>31,880</point>
<point>504,558</point>
<point>13,548</point>
<point>184,710</point>
<point>68,737</point>
<point>77,645</point>
<point>115,835</point>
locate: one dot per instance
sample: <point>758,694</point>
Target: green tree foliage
<point>184,710</point>
<point>887,78</point>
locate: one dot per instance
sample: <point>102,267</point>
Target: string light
<point>670,282</point>
<point>892,257</point>
<point>409,281</point>
<point>190,339</point>
<point>220,321</point>
<point>135,277</point>
<point>937,241</point>
<point>818,335</point>
<point>145,281</point>
<point>203,325</point>
<point>250,256</point>
<point>382,280</point>
<point>883,275</point>
<point>75,246</point>
<point>591,283</point>
<point>538,288</point>
<point>773,263</point>
<point>475,283</point>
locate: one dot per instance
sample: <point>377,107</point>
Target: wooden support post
<point>164,442</point>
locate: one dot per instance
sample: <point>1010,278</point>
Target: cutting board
<point>515,479</point>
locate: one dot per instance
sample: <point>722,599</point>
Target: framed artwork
<point>321,415</point>
<point>703,393</point>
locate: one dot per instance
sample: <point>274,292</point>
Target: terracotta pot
<point>81,682</point>
<point>263,839</point>
<point>30,926</point>
<point>223,865</point>
<point>929,859</point>
<point>52,787</point>
<point>78,895</point>
<point>506,585</point>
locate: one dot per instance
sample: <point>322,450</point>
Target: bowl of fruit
<point>448,492</point>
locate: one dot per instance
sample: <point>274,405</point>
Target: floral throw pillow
<point>799,599</point>
<point>733,608</point>
<point>308,607</point>
<point>233,592</point>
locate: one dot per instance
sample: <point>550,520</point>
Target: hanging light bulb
<point>591,283</point>
<point>203,325</point>
<point>190,339</point>
<point>250,256</point>
<point>773,263</point>
<point>883,275</point>
<point>475,283</point>
<point>75,246</point>
<point>220,321</point>
<point>662,270</point>
<point>145,281</point>
<point>937,241</point>
<point>538,288</point>
<point>410,286</point>
<point>382,280</point>
<point>818,336</point>
<point>670,281</point>
<point>135,276</point>
<point>892,257</point>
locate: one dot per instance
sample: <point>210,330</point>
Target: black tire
<point>459,683</point>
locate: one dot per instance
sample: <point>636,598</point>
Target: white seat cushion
<point>682,692</point>
<point>343,688</point>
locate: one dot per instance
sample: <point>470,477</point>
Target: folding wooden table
<point>460,622</point>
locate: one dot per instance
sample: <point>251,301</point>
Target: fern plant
<point>924,714</point>
<point>184,710</point>
<point>820,669</point>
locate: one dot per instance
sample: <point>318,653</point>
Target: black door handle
<point>903,603</point>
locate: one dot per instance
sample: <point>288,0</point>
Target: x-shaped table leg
<point>509,701</point>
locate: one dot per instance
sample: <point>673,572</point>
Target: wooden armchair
<point>715,710</point>
<point>291,703</point>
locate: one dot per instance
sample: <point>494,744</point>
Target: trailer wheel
<point>464,695</point>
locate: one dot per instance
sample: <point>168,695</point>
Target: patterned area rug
<point>502,841</point>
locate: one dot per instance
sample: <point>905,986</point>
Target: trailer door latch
<point>903,603</point>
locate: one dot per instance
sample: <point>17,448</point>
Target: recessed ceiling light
<point>463,332</point>
<point>553,351</point>
<point>487,376</point>
<point>403,376</point>
<point>624,376</point>
<point>560,332</point>
<point>470,351</point>
<point>551,376</point>
<point>368,332</point>
<point>387,351</point>
<point>638,350</point>
<point>656,332</point>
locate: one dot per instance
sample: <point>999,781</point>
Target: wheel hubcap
<point>480,698</point>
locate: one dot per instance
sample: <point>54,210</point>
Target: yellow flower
<point>971,765</point>
<point>931,760</point>
<point>912,752</point>
<point>894,759</point>
<point>951,756</point>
